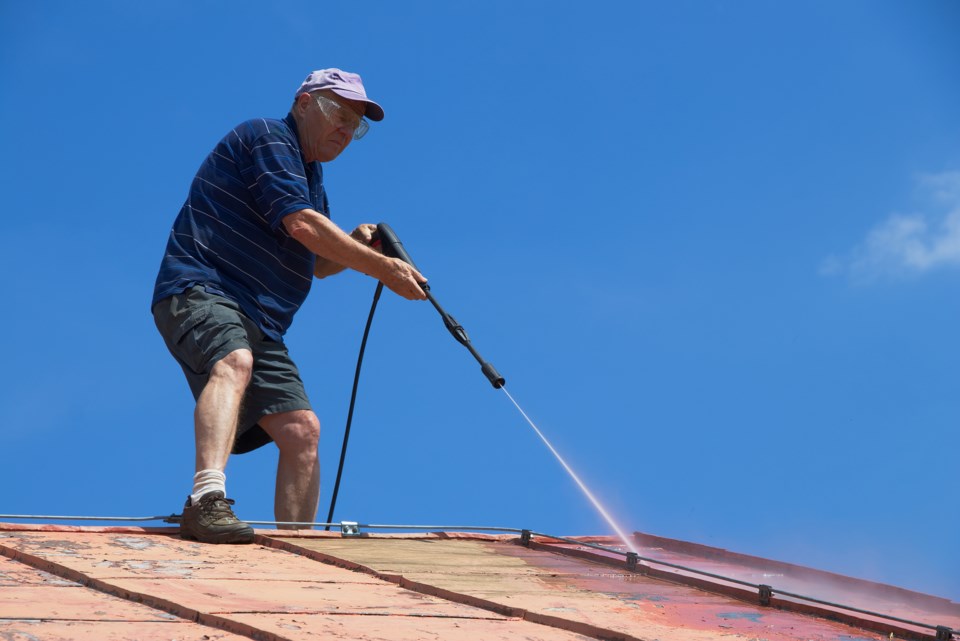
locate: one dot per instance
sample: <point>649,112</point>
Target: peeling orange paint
<point>146,583</point>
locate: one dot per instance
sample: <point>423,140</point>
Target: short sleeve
<point>277,178</point>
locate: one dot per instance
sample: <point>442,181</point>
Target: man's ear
<point>303,101</point>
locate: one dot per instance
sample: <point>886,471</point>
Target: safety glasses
<point>343,117</point>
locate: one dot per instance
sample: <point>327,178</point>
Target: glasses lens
<point>343,117</point>
<point>361,129</point>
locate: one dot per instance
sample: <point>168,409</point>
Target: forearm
<point>335,249</point>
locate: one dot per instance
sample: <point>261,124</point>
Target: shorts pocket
<point>183,339</point>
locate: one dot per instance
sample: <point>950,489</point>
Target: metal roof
<point>67,582</point>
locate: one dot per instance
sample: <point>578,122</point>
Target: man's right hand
<point>402,279</point>
<point>318,234</point>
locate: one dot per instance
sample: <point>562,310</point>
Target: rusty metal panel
<point>225,578</point>
<point>567,591</point>
<point>790,577</point>
<point>14,574</point>
<point>315,585</point>
<point>224,596</point>
<point>74,603</point>
<point>120,554</point>
<point>837,596</point>
<point>251,590</point>
<point>28,593</point>
<point>32,630</point>
<point>39,605</point>
<point>404,628</point>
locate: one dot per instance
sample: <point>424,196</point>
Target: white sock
<point>206,481</point>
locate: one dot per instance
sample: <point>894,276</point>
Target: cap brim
<point>373,111</point>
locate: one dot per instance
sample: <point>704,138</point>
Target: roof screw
<point>766,592</point>
<point>525,538</point>
<point>944,633</point>
<point>632,559</point>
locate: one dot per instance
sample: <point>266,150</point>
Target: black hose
<point>392,247</point>
<point>353,400</point>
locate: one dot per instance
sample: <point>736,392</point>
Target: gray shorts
<point>200,328</point>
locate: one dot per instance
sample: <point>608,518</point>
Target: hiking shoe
<point>212,521</point>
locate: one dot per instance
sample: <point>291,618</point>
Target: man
<point>239,262</point>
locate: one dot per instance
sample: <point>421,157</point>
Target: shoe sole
<point>239,536</point>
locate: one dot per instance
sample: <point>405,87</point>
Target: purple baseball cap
<point>343,83</point>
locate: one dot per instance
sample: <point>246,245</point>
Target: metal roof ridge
<point>294,533</point>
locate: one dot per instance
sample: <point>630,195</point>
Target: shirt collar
<point>292,123</point>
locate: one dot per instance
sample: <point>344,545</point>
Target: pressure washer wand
<point>392,247</point>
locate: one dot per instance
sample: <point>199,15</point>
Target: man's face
<point>327,123</point>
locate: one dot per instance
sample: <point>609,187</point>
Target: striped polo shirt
<point>229,236</point>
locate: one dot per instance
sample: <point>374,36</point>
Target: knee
<point>307,430</point>
<point>300,433</point>
<point>237,366</point>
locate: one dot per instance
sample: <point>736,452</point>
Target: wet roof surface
<point>60,582</point>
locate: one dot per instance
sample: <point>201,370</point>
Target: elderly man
<point>239,262</point>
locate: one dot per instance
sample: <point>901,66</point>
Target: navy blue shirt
<point>229,236</point>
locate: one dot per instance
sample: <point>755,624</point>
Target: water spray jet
<point>391,246</point>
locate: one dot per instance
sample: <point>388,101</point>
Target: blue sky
<point>714,248</point>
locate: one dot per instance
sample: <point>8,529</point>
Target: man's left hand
<point>364,234</point>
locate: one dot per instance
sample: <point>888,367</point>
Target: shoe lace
<point>219,506</point>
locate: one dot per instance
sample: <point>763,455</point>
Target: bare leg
<point>215,417</point>
<point>296,434</point>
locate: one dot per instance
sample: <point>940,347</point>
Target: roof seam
<point>185,613</point>
<point>72,620</point>
<point>237,579</point>
<point>334,613</point>
<point>561,623</point>
<point>840,613</point>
